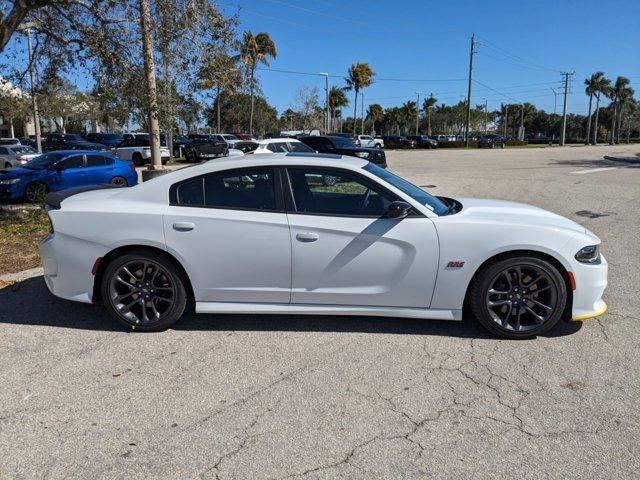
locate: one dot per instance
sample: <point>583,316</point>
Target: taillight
<point>132,166</point>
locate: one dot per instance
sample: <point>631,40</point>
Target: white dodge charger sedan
<point>269,235</point>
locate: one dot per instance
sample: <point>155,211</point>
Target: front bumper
<point>591,281</point>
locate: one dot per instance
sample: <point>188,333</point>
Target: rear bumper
<point>67,264</point>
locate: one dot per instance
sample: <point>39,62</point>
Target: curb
<point>23,275</point>
<point>622,159</point>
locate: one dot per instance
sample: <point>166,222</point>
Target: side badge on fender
<point>455,265</point>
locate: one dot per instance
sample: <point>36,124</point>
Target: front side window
<point>247,189</point>
<point>335,192</point>
<point>73,162</point>
<point>299,147</point>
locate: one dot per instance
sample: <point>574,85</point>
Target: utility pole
<point>152,94</point>
<point>566,76</point>
<point>521,129</point>
<point>328,112</point>
<point>34,101</point>
<point>505,118</point>
<point>417,111</point>
<point>471,52</point>
<point>362,115</point>
<point>555,99</point>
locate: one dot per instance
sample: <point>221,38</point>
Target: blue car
<point>60,170</point>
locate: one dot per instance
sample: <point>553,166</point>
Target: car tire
<point>137,159</point>
<point>162,283</point>
<point>35,192</point>
<point>504,296</point>
<point>119,181</point>
<point>377,145</point>
<point>8,165</point>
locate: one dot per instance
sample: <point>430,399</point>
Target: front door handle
<point>307,237</point>
<point>183,226</point>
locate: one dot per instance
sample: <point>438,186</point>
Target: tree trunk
<point>168,128</point>
<point>218,112</point>
<point>586,139</point>
<point>355,112</point>
<point>251,113</point>
<point>612,141</point>
<point>152,94</point>
<point>12,132</point>
<point>595,124</point>
<point>619,123</point>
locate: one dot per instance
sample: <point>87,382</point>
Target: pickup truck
<point>136,147</point>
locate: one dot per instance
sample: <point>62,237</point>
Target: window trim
<point>277,186</point>
<point>290,199</point>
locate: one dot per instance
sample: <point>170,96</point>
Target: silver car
<point>16,155</point>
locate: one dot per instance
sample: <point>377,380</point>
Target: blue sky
<point>523,45</point>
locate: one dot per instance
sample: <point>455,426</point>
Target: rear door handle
<point>183,226</point>
<point>307,237</point>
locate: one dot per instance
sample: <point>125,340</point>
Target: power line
<point>504,52</point>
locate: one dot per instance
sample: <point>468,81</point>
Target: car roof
<point>268,141</point>
<point>81,152</point>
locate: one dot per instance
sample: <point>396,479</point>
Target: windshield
<point>419,195</point>
<point>23,149</point>
<point>72,136</point>
<point>43,161</point>
<point>342,142</point>
<point>229,137</point>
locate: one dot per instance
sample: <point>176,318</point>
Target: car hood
<point>517,213</point>
<point>17,172</point>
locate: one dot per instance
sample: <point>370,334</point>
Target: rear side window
<point>299,147</point>
<point>278,147</point>
<point>247,189</point>
<point>3,151</point>
<point>98,161</point>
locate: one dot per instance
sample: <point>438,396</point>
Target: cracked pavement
<point>304,397</point>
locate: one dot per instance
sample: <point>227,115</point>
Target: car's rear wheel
<point>119,181</point>
<point>35,192</point>
<point>144,291</point>
<point>518,297</point>
<point>137,159</point>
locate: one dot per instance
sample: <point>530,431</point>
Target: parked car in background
<point>205,149</point>
<point>367,141</point>
<point>137,149</point>
<point>109,140</point>
<point>443,138</point>
<point>9,141</point>
<point>226,137</point>
<point>16,155</point>
<point>179,144</point>
<point>62,170</point>
<point>348,136</point>
<point>281,145</point>
<point>344,146</point>
<point>399,142</point>
<point>31,142</point>
<point>492,141</point>
<point>69,141</point>
<point>423,141</point>
<point>379,141</point>
<point>246,146</point>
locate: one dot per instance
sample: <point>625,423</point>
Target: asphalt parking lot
<point>241,396</point>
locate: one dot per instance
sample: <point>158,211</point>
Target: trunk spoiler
<point>53,200</point>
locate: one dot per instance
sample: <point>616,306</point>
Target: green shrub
<point>516,143</point>
<point>457,144</point>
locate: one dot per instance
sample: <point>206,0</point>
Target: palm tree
<point>255,49</point>
<point>427,105</point>
<point>591,88</point>
<point>602,87</point>
<point>360,75</point>
<point>376,114</point>
<point>409,111</point>
<point>337,100</point>
<point>621,93</point>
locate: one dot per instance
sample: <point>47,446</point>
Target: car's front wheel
<point>7,165</point>
<point>35,192</point>
<point>144,291</point>
<point>518,297</point>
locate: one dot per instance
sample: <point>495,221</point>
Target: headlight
<point>362,154</point>
<point>590,254</point>
<point>11,181</point>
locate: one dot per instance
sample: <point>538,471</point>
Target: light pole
<point>34,101</point>
<point>328,112</point>
<point>486,115</point>
<point>417,111</point>
<point>362,115</point>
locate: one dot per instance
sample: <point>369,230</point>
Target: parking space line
<point>594,170</point>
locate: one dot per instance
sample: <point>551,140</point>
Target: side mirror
<point>398,210</point>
